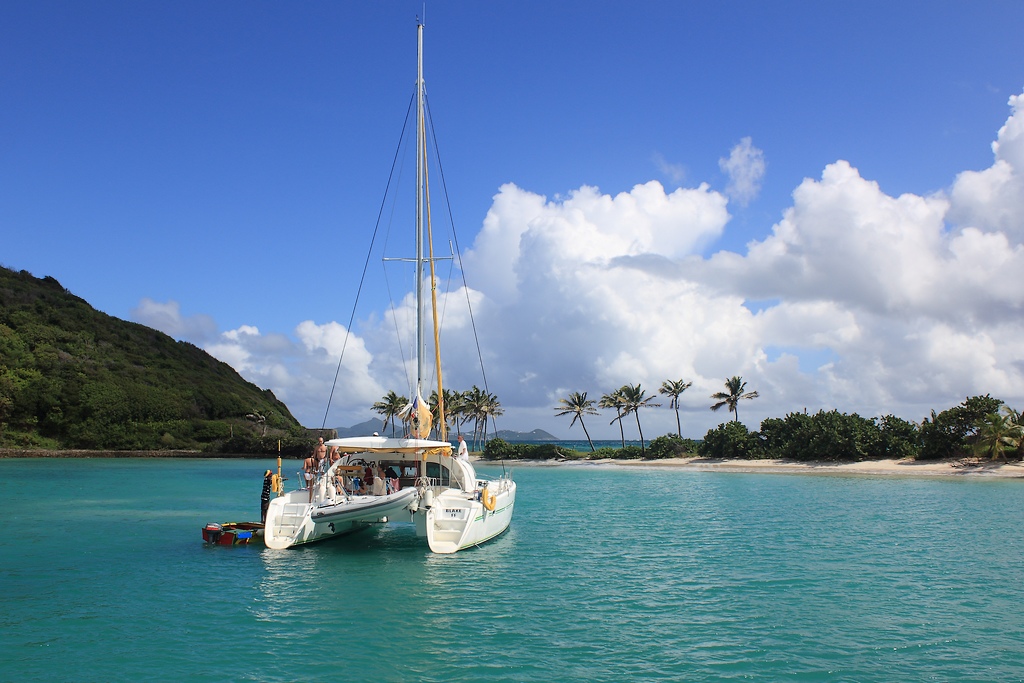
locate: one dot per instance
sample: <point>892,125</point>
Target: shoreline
<point>910,468</point>
<point>12,453</point>
<point>929,468</point>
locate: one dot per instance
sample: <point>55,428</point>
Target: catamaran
<point>377,480</point>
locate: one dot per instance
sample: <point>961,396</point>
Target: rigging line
<point>394,318</point>
<point>455,237</point>
<point>366,265</point>
<point>458,252</point>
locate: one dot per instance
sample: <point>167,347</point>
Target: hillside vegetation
<point>72,377</point>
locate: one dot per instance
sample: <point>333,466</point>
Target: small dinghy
<point>232,533</point>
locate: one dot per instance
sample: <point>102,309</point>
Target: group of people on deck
<point>372,481</point>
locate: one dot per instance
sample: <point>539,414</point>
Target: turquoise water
<point>607,574</point>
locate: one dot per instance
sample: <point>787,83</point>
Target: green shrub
<point>948,434</point>
<point>731,440</point>
<point>671,446</point>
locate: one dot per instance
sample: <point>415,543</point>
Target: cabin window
<point>437,471</point>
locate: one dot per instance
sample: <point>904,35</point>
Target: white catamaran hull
<point>455,521</point>
<point>292,520</point>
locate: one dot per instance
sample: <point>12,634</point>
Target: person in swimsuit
<point>309,467</point>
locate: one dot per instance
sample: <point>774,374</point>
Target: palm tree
<point>389,408</point>
<point>732,397</point>
<point>479,406</point>
<point>474,401</point>
<point>998,434</point>
<point>634,399</point>
<point>674,388</point>
<point>259,418</point>
<point>491,409</point>
<point>455,408</point>
<point>615,402</point>
<point>450,405</point>
<point>577,404</point>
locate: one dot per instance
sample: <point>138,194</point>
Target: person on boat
<point>378,481</point>
<point>463,449</point>
<point>392,477</point>
<point>268,484</point>
<point>309,473</point>
<point>320,453</point>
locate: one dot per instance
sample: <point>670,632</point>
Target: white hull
<point>456,520</point>
<point>292,520</point>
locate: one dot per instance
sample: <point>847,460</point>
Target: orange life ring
<point>488,499</point>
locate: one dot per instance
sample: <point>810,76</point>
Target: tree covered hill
<point>73,377</point>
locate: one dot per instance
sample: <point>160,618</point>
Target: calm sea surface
<point>607,574</point>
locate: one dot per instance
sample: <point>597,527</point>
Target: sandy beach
<point>944,468</point>
<point>929,468</point>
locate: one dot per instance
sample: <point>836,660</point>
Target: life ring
<point>488,499</point>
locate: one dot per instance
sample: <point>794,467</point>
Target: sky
<point>826,199</point>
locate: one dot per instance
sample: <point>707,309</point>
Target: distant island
<point>376,425</point>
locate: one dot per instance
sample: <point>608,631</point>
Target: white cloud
<point>168,319</point>
<point>993,199</point>
<point>745,168</point>
<point>856,300</point>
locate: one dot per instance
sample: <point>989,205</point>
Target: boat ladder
<point>291,519</point>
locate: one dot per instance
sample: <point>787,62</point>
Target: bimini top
<point>384,444</point>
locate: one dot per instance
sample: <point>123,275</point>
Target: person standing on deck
<point>268,483</point>
<point>310,466</point>
<point>463,450</point>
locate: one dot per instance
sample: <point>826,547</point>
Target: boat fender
<point>428,498</point>
<point>275,484</point>
<point>488,499</point>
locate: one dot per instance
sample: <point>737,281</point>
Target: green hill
<point>72,377</point>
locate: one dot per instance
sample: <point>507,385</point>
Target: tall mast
<point>420,167</point>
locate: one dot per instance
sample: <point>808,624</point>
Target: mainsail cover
<point>420,420</point>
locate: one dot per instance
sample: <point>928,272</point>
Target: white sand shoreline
<point>944,468</point>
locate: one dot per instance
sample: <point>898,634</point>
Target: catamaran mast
<point>420,168</point>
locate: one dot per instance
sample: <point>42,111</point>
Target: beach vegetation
<point>734,393</point>
<point>731,440</point>
<point>577,404</point>
<point>673,388</point>
<point>479,405</point>
<point>950,434</point>
<point>389,408</point>
<point>634,398</point>
<point>825,435</point>
<point>671,446</point>
<point>499,449</point>
<point>999,434</point>
<point>615,401</point>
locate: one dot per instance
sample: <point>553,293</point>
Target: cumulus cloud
<point>167,318</point>
<point>855,300</point>
<point>745,168</point>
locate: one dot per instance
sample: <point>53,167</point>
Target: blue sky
<point>214,170</point>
